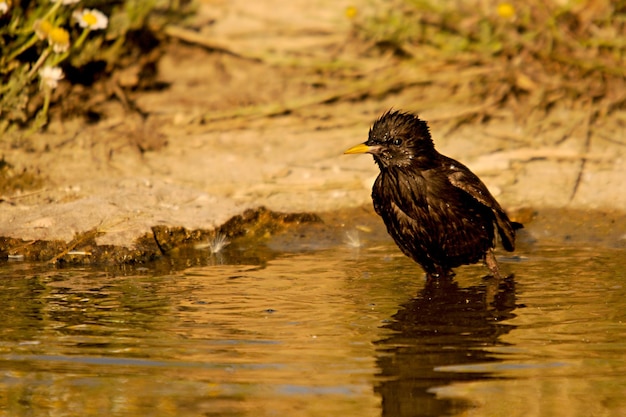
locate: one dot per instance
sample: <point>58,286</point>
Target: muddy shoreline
<point>254,234</point>
<point>266,128</point>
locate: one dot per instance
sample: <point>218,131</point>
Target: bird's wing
<point>462,178</point>
<point>472,185</point>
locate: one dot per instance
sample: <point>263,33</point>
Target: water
<point>325,330</point>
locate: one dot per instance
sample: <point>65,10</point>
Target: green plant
<point>47,46</point>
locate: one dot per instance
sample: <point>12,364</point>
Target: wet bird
<point>437,211</point>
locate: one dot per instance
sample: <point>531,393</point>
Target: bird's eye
<point>397,142</point>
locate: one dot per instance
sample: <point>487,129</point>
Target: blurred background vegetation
<point>526,56</point>
<point>70,54</point>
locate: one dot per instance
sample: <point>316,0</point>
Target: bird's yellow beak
<point>360,148</point>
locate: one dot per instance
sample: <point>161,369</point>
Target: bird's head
<point>398,139</point>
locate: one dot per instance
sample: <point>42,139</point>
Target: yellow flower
<point>59,38</point>
<point>42,28</point>
<point>50,76</point>
<point>91,19</point>
<point>506,10</point>
<point>351,12</point>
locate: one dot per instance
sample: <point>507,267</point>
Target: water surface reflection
<point>444,325</point>
<point>336,331</point>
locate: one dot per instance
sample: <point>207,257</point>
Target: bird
<point>438,212</point>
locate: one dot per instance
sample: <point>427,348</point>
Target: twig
<point>195,38</point>
<point>11,199</point>
<point>90,234</point>
<point>358,90</point>
<point>587,146</point>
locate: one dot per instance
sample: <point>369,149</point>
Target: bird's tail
<point>506,230</point>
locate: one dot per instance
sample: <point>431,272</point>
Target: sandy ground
<point>226,136</point>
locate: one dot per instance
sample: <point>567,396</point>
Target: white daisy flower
<point>50,76</point>
<point>92,19</point>
<point>59,38</point>
<point>4,7</point>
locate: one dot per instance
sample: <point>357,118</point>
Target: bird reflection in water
<point>444,325</point>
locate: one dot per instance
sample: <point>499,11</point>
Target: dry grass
<point>531,57</point>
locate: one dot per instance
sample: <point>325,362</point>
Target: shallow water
<point>329,330</point>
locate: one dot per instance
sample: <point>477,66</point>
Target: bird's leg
<point>492,264</point>
<point>493,284</point>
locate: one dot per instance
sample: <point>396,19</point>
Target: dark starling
<point>437,211</point>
